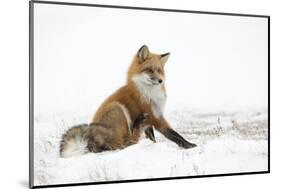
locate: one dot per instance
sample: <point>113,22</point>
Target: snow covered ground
<point>228,142</point>
<point>217,63</point>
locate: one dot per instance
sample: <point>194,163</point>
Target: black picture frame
<point>31,89</point>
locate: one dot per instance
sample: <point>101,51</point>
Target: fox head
<point>148,68</point>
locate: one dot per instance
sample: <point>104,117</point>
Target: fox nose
<point>156,79</point>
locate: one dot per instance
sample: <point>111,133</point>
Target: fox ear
<point>143,53</point>
<point>164,57</point>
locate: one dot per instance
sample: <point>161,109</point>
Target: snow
<point>217,90</point>
<point>227,143</point>
<point>215,61</point>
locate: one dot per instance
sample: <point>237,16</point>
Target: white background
<point>82,55</point>
<point>14,92</point>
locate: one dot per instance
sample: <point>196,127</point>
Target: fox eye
<point>149,70</point>
<point>159,71</point>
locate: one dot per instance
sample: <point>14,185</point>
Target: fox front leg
<point>139,122</point>
<point>178,139</point>
<point>149,133</point>
<point>171,134</point>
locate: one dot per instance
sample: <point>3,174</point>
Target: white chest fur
<point>154,95</point>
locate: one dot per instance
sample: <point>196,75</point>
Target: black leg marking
<point>149,133</point>
<point>178,139</point>
<point>139,120</point>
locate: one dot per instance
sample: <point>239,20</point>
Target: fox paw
<point>189,145</point>
<point>140,120</point>
<point>143,117</point>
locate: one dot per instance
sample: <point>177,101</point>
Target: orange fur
<point>130,97</point>
<point>144,93</point>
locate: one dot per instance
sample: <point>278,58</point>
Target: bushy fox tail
<point>75,141</point>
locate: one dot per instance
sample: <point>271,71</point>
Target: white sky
<point>82,55</point>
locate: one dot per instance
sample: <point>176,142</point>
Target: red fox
<point>133,109</point>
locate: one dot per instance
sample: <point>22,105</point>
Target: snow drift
<point>228,142</point>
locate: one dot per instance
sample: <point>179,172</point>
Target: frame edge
<point>150,8</point>
<point>31,92</point>
<point>31,95</point>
